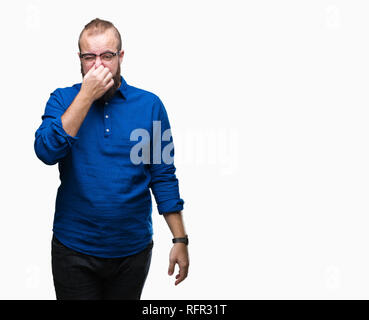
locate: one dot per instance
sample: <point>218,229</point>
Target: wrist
<point>85,96</point>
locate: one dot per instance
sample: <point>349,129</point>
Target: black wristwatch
<point>183,240</point>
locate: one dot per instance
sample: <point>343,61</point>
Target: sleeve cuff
<point>58,125</point>
<point>172,205</point>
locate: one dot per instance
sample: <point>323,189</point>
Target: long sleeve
<point>52,143</point>
<point>164,183</point>
<point>104,203</point>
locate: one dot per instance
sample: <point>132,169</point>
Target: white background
<point>268,103</point>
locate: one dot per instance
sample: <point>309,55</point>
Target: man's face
<point>97,44</point>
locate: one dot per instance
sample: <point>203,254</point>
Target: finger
<point>108,77</point>
<point>183,271</point>
<point>99,69</point>
<point>92,69</point>
<point>179,278</point>
<point>171,267</point>
<point>105,72</point>
<point>109,85</point>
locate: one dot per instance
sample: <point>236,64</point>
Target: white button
<point>106,116</point>
<point>107,130</point>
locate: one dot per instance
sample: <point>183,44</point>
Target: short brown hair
<point>99,26</point>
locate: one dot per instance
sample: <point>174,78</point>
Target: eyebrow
<point>107,51</point>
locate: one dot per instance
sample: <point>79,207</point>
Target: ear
<point>121,56</point>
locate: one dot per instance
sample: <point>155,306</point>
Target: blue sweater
<point>103,205</point>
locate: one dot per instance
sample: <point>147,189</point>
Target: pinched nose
<point>98,62</point>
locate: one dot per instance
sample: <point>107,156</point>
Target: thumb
<point>92,69</point>
<point>171,267</point>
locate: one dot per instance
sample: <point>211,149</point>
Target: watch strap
<point>181,240</point>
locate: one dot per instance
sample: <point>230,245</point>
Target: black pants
<point>78,276</point>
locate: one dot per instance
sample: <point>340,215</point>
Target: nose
<point>98,62</point>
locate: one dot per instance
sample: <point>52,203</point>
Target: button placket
<point>107,123</point>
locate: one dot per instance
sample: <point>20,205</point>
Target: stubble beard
<point>110,92</point>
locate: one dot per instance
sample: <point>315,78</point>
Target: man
<point>102,230</point>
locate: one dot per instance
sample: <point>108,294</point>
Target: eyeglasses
<point>91,57</point>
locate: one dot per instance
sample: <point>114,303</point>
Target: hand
<point>179,254</point>
<point>96,82</point>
